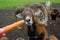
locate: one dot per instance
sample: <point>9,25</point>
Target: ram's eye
<point>19,16</point>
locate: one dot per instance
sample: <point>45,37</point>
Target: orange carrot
<point>12,26</point>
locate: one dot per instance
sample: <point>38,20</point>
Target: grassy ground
<point>16,3</point>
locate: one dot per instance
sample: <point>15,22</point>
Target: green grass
<point>16,3</point>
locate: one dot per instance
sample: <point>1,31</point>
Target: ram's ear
<point>37,12</point>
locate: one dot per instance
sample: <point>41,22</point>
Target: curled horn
<point>41,7</point>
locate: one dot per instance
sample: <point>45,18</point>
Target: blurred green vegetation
<point>16,3</point>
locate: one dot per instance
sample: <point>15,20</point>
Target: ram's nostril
<point>28,20</point>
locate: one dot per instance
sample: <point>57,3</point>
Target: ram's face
<point>28,16</point>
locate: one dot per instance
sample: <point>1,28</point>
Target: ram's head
<point>26,14</point>
<point>35,13</point>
